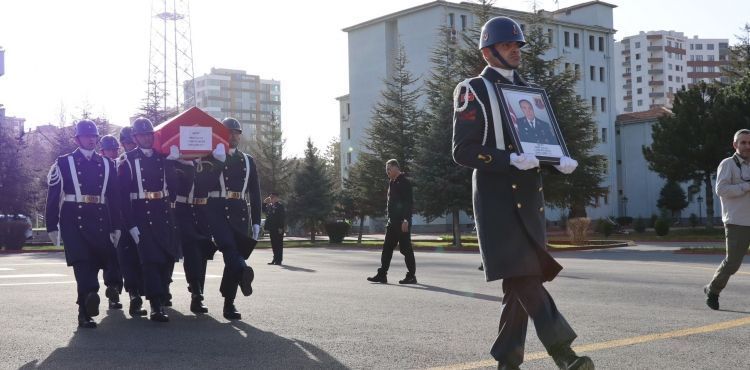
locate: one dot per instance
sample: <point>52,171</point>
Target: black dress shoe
<point>157,312</point>
<point>85,321</point>
<point>409,279</point>
<point>196,304</point>
<point>378,278</point>
<point>566,359</point>
<point>507,367</point>
<point>230,312</point>
<point>272,262</point>
<point>113,295</point>
<point>481,267</point>
<point>712,299</point>
<point>91,304</point>
<point>136,306</point>
<point>246,281</point>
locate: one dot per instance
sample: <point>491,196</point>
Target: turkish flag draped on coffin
<point>193,131</point>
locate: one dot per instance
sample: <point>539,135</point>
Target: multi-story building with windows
<point>234,93</point>
<point>653,66</point>
<point>582,35</point>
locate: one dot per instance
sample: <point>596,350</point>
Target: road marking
<point>724,325</point>
<point>34,264</point>
<point>40,283</point>
<point>6,269</point>
<point>685,265</point>
<point>29,276</point>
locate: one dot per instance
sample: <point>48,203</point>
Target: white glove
<point>53,236</point>
<point>256,231</point>
<point>114,237</point>
<point>567,165</point>
<point>135,234</point>
<point>186,162</point>
<point>220,153</point>
<point>525,161</point>
<point>174,153</point>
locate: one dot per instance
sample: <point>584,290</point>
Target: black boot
<point>380,277</point>
<point>712,299</point>
<point>157,311</point>
<point>136,306</point>
<point>196,301</point>
<point>230,312</point>
<point>85,321</point>
<point>246,281</point>
<point>168,299</point>
<point>566,359</point>
<point>113,294</point>
<point>91,304</point>
<point>409,279</point>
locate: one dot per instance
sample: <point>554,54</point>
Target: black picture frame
<point>544,138</point>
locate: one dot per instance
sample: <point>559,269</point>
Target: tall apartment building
<point>653,66</point>
<point>581,34</point>
<point>233,93</point>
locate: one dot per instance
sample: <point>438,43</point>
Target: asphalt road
<point>633,308</point>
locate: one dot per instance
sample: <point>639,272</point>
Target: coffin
<point>194,132</point>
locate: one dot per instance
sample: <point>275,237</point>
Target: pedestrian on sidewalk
<point>275,216</point>
<point>398,227</point>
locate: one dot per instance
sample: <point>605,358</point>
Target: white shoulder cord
<point>460,107</point>
<point>138,179</point>
<point>74,176</point>
<point>497,120</point>
<point>247,174</point>
<point>106,177</point>
<point>222,185</point>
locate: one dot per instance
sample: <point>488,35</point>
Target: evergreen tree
<point>333,160</point>
<point>365,189</point>
<point>672,198</point>
<point>14,174</point>
<point>739,56</point>
<point>274,170</point>
<point>575,191</point>
<point>470,60</point>
<point>444,186</point>
<point>311,201</point>
<point>152,104</point>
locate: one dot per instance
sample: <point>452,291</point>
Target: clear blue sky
<point>66,55</point>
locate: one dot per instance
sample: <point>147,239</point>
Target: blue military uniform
<point>275,220</point>
<point>80,199</point>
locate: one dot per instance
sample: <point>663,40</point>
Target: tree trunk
<point>709,201</point>
<point>577,210</point>
<point>456,229</point>
<point>312,232</point>
<point>361,227</point>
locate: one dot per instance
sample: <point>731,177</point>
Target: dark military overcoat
<point>508,202</point>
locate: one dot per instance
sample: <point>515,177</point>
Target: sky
<point>65,56</point>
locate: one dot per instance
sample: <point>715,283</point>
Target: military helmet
<point>142,125</point>
<point>109,142</point>
<point>126,135</point>
<point>501,29</point>
<point>232,124</point>
<point>86,127</point>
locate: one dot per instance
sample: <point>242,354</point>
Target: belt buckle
<point>90,198</point>
<point>234,195</point>
<point>153,195</point>
<point>200,201</point>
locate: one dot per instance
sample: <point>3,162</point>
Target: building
<point>653,66</point>
<point>15,124</point>
<point>639,186</point>
<point>2,61</point>
<point>233,93</point>
<point>582,35</point>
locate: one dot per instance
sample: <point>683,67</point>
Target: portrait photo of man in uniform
<point>533,129</point>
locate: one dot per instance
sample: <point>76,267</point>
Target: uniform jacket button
<point>148,212</point>
<point>150,223</point>
<point>518,205</point>
<point>514,186</point>
<point>541,209</point>
<point>540,188</point>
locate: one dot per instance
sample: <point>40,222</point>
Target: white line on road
<point>34,264</point>
<point>40,283</point>
<point>6,269</point>
<point>29,276</point>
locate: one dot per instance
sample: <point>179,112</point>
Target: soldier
<point>194,177</point>
<point>229,218</point>
<point>81,187</point>
<point>275,216</point>
<point>112,275</point>
<point>509,205</point>
<point>146,178</point>
<point>127,252</point>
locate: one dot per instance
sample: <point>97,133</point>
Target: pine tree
<point>444,186</point>
<point>312,200</point>
<point>575,191</point>
<point>14,174</point>
<point>672,198</point>
<point>333,161</point>
<point>152,104</point>
<point>739,56</point>
<point>470,60</point>
<point>274,171</point>
<point>365,189</point>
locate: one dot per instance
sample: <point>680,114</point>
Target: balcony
<point>625,51</point>
<point>627,97</point>
<point>654,37</point>
<point>626,75</point>
<point>626,63</point>
<point>655,60</point>
<point>655,48</point>
<point>655,71</point>
<point>672,49</point>
<point>627,86</point>
<point>656,95</point>
<point>656,83</point>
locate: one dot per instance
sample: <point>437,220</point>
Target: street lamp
<point>700,209</point>
<point>625,206</point>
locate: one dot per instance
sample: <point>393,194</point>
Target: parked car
<point>14,230</point>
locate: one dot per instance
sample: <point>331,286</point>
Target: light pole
<point>700,210</point>
<point>624,206</point>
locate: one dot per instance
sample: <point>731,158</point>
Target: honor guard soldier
<point>112,276</point>
<point>146,177</point>
<point>127,252</point>
<point>82,185</point>
<point>229,219</point>
<point>275,216</point>
<point>194,178</point>
<point>509,205</point>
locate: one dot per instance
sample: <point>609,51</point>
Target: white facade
<point>2,61</point>
<point>581,34</point>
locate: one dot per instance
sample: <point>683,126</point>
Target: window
<point>711,69</point>
<point>710,58</point>
<point>592,73</point>
<point>638,68</point>
<point>638,56</point>
<point>567,38</point>
<point>698,46</point>
<point>671,90</point>
<point>593,103</point>
<point>601,74</point>
<point>669,78</point>
<point>348,158</point>
<point>451,20</point>
<point>463,22</point>
<point>348,109</point>
<point>709,46</point>
<point>692,58</point>
<point>639,91</point>
<point>637,45</point>
<point>640,103</point>
<point>692,47</point>
<point>576,43</point>
<point>699,58</point>
<point>639,79</point>
<point>669,43</point>
<point>601,43</point>
<point>549,36</point>
<point>603,104</point>
<point>669,66</point>
<point>567,67</point>
<point>604,134</point>
<point>348,133</point>
<point>592,41</point>
<point>578,69</point>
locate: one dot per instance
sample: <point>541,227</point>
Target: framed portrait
<point>528,114</point>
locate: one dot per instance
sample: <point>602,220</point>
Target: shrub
<point>652,221</point>
<point>625,221</point>
<point>13,234</point>
<point>337,230</point>
<point>578,229</point>
<point>693,220</point>
<point>640,225</point>
<point>661,226</point>
<point>604,227</point>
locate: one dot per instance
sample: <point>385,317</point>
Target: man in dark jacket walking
<point>275,215</point>
<point>398,227</point>
<point>509,205</point>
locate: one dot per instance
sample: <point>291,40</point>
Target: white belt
<point>184,199</point>
<point>150,195</point>
<point>97,199</point>
<point>229,195</point>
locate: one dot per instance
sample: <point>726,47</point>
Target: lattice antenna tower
<point>171,74</point>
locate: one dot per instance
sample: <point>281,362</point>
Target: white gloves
<point>256,229</point>
<point>186,162</point>
<point>174,153</point>
<point>114,237</point>
<point>220,153</point>
<point>567,165</point>
<point>135,234</point>
<point>53,236</point>
<point>525,161</point>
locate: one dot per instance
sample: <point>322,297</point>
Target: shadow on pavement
<point>186,342</point>
<point>295,268</point>
<point>438,289</point>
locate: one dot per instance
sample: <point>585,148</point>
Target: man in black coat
<point>398,227</point>
<point>275,217</point>
<point>82,185</point>
<point>532,129</point>
<point>509,205</point>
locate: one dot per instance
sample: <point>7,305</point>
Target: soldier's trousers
<point>112,274</point>
<point>194,264</point>
<point>737,243</point>
<point>156,278</point>
<point>525,297</point>
<point>233,266</point>
<point>394,236</point>
<point>277,244</point>
<point>87,280</point>
<point>130,266</point>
